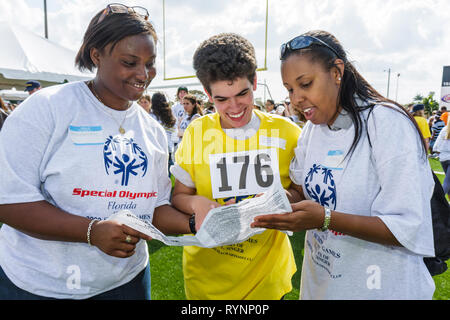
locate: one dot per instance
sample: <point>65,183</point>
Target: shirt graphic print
<point>125,158</point>
<point>320,186</point>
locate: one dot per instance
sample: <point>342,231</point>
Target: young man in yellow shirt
<point>234,154</point>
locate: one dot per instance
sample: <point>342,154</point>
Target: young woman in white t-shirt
<point>73,155</point>
<point>362,169</point>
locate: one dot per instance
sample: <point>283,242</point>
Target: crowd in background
<point>186,107</point>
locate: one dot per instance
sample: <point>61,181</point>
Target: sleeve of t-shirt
<point>296,168</point>
<point>164,183</point>
<point>403,201</point>
<point>24,141</point>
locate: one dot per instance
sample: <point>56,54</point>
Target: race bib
<point>243,173</point>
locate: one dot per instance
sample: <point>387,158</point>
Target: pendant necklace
<point>121,129</point>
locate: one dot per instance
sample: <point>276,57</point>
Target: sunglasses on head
<point>121,8</point>
<point>303,42</point>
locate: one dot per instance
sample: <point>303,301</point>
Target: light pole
<point>389,81</point>
<point>396,91</point>
<point>45,19</point>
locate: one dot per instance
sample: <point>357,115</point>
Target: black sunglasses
<point>303,42</point>
<point>121,8</point>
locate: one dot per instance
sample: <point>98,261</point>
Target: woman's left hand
<point>306,215</point>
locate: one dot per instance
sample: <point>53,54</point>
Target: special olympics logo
<point>125,156</point>
<point>320,186</point>
<point>446,98</point>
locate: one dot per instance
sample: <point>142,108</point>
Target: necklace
<point>121,129</point>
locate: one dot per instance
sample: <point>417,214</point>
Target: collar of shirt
<point>245,132</point>
<point>343,121</point>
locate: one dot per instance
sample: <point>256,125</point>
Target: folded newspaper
<point>222,226</point>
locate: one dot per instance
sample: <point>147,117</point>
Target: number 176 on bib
<point>243,173</point>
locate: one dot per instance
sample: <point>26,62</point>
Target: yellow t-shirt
<point>423,126</point>
<point>223,168</point>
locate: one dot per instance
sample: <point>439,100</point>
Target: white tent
<point>27,56</point>
<point>13,94</point>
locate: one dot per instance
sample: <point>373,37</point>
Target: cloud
<point>407,36</point>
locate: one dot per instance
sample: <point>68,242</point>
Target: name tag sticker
<point>86,135</point>
<point>244,173</point>
<point>334,160</point>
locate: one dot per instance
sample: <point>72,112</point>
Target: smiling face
<point>125,72</point>
<point>313,90</point>
<point>181,94</point>
<point>233,101</point>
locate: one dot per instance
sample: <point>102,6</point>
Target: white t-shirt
<point>395,185</point>
<point>63,146</point>
<point>187,120</point>
<point>442,145</point>
<point>178,112</point>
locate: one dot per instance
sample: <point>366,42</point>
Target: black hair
<point>353,85</point>
<point>161,109</point>
<point>113,28</point>
<point>226,56</point>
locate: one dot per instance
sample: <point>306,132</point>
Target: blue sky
<point>407,36</point>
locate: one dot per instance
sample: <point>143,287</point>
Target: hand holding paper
<point>223,225</point>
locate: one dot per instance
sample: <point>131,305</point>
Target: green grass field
<point>167,274</point>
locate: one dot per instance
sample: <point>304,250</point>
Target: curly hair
<point>226,56</point>
<point>161,109</point>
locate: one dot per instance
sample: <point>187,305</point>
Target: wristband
<point>192,224</point>
<point>88,234</point>
<point>326,220</point>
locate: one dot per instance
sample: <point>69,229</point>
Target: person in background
<point>178,110</point>
<point>145,102</point>
<point>68,167</point>
<point>209,108</point>
<point>207,177</point>
<point>270,106</point>
<point>419,116</point>
<point>432,118</point>
<point>361,167</point>
<point>442,148</point>
<point>297,117</point>
<point>32,86</point>
<point>444,114</point>
<point>437,126</point>
<point>162,112</point>
<point>3,112</point>
<point>192,111</point>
